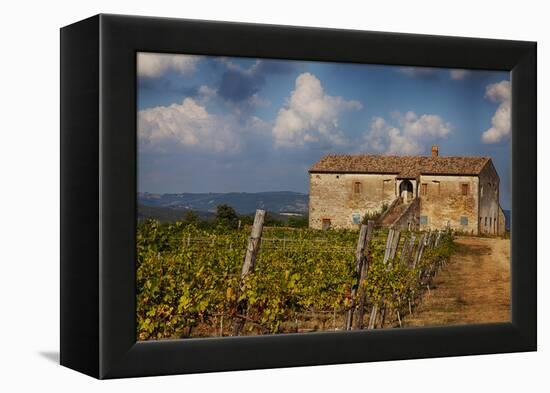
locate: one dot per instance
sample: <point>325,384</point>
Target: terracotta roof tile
<point>404,166</point>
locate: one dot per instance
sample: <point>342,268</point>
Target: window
<point>481,191</point>
<point>485,221</point>
<point>424,189</point>
<point>423,220</point>
<point>463,220</point>
<point>357,187</point>
<point>464,188</point>
<point>356,218</point>
<point>490,222</point>
<point>326,224</point>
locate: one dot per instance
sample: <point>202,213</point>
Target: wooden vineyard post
<point>404,249</point>
<point>419,250</point>
<point>437,238</point>
<point>372,318</point>
<point>393,252</point>
<point>360,268</point>
<point>429,239</point>
<point>374,311</point>
<point>359,258</point>
<point>363,278</point>
<point>405,260</point>
<point>253,244</point>
<point>387,251</point>
<point>248,267</point>
<point>394,245</point>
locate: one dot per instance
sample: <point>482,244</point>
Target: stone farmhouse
<point>412,192</point>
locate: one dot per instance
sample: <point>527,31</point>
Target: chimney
<point>435,151</point>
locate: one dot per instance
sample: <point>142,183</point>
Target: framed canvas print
<point>238,196</point>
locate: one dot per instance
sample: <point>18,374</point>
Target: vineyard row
<point>194,283</point>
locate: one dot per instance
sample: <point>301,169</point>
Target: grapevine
<point>188,279</point>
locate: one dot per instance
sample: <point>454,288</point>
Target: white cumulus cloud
<point>501,121</point>
<point>153,65</point>
<point>188,124</point>
<point>405,134</point>
<point>310,115</point>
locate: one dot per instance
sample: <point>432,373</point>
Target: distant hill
<point>242,202</point>
<point>169,214</point>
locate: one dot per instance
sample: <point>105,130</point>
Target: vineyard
<point>219,282</point>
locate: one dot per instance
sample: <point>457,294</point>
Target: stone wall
<point>409,219</point>
<point>443,205</point>
<point>489,207</point>
<point>501,223</point>
<point>334,197</point>
<point>340,200</point>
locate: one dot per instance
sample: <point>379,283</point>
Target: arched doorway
<point>406,190</point>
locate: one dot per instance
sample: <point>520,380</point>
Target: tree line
<point>227,218</point>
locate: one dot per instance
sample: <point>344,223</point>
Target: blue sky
<point>218,124</point>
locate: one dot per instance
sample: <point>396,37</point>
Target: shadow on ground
<point>52,356</point>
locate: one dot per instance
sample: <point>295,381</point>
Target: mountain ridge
<point>242,202</point>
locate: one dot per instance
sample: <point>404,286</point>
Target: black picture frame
<point>98,196</point>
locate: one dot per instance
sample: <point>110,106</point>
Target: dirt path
<point>473,288</point>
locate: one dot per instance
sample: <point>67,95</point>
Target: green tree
<point>298,221</point>
<point>246,220</point>
<point>190,217</point>
<point>271,220</point>
<point>226,216</point>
